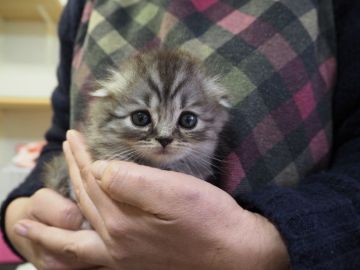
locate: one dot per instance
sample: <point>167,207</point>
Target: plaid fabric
<point>276,58</point>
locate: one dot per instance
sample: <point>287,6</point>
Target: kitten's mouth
<point>165,155</point>
<point>160,156</point>
<point>163,151</point>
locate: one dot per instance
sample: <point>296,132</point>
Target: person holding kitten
<point>286,192</point>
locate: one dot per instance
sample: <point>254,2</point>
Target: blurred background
<point>29,52</point>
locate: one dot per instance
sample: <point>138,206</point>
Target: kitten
<point>161,109</point>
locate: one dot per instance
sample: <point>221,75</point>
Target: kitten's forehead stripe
<point>147,98</point>
<point>140,64</point>
<point>183,101</point>
<point>178,88</point>
<point>154,88</point>
<point>168,65</point>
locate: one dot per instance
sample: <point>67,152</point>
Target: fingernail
<point>68,134</point>
<point>21,229</point>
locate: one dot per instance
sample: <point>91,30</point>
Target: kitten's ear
<point>219,92</point>
<point>224,101</point>
<point>112,84</point>
<point>102,92</point>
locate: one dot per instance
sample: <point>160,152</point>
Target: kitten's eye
<point>188,120</point>
<point>141,118</point>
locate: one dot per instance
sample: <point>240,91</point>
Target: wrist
<point>260,247</point>
<point>273,253</point>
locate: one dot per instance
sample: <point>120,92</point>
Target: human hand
<point>33,226</point>
<point>154,219</point>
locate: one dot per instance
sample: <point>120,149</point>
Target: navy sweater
<point>320,219</point>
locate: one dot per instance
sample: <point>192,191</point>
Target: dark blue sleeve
<point>320,219</point>
<point>61,106</point>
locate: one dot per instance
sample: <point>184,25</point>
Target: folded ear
<point>224,101</point>
<point>102,92</point>
<point>114,82</point>
<point>217,91</point>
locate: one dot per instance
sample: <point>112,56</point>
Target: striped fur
<point>165,83</point>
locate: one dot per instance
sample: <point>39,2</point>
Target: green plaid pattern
<point>276,58</point>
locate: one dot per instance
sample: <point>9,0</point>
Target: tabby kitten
<point>160,109</point>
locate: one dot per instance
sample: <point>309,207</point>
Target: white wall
<point>28,59</point>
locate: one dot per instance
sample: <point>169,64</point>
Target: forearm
<point>274,253</point>
<point>248,241</point>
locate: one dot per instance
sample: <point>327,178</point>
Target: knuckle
<point>70,215</point>
<point>112,174</point>
<point>36,236</point>
<point>119,254</point>
<point>32,211</point>
<point>191,195</point>
<point>48,262</point>
<point>81,201</point>
<point>85,171</point>
<point>115,228</point>
<point>37,240</point>
<point>77,193</point>
<point>129,176</point>
<point>72,251</point>
<point>38,195</point>
<point>140,178</point>
<point>112,169</point>
<point>40,192</point>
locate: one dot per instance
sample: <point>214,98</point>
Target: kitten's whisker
<point>204,162</point>
<point>191,171</point>
<point>117,155</point>
<point>199,164</point>
<point>212,157</point>
<point>122,155</point>
<point>112,154</point>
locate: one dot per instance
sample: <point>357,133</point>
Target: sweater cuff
<point>321,227</point>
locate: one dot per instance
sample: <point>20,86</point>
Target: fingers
<point>77,246</point>
<point>147,188</point>
<point>51,208</point>
<point>78,149</point>
<point>47,260</point>
<point>85,203</point>
<point>125,182</point>
<point>94,199</point>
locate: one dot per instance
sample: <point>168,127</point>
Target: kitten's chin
<point>163,157</point>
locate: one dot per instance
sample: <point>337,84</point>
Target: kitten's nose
<point>164,141</point>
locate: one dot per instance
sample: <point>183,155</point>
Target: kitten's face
<point>163,109</point>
